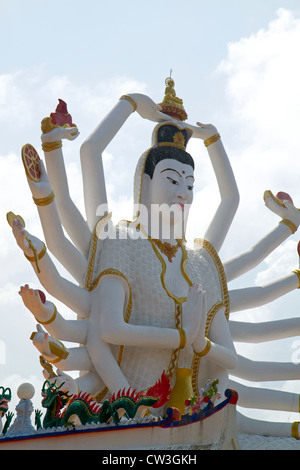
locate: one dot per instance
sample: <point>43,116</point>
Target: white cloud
<point>263,76</point>
<point>262,88</point>
<point>263,100</point>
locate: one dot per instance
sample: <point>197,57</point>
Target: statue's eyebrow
<point>190,176</point>
<point>171,169</point>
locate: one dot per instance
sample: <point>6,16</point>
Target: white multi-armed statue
<point>145,302</point>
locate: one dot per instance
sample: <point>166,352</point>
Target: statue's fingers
<point>288,205</point>
<point>71,131</point>
<point>156,106</point>
<point>204,126</point>
<point>272,205</point>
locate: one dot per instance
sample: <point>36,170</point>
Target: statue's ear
<point>145,192</point>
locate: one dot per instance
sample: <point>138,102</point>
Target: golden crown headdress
<point>170,133</point>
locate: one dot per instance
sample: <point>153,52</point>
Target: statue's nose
<point>182,192</point>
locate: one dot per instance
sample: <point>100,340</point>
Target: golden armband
<point>205,350</point>
<point>295,430</point>
<point>50,319</point>
<point>182,338</point>
<point>130,100</point>
<point>49,146</point>
<point>297,272</point>
<point>212,140</point>
<point>289,224</point>
<point>44,201</point>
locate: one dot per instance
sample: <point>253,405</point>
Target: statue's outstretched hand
<point>50,348</point>
<point>20,234</point>
<point>203,131</point>
<point>200,342</point>
<point>282,206</point>
<point>41,188</point>
<point>23,238</point>
<point>68,384</point>
<point>59,133</point>
<point>148,109</point>
<point>194,313</point>
<point>32,300</point>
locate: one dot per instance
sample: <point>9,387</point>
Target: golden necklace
<point>166,248</point>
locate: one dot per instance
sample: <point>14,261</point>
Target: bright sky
<point>235,64</point>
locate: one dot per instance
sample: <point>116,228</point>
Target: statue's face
<point>172,183</point>
<point>172,187</point>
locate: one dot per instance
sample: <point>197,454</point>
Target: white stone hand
<point>283,207</point>
<point>148,109</point>
<point>203,131</point>
<point>22,238</point>
<point>59,133</point>
<point>42,188</point>
<point>68,384</point>
<point>32,300</point>
<point>194,313</point>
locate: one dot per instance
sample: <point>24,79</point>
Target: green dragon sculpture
<point>63,410</point>
<point>5,398</point>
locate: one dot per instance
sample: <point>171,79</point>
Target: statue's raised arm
<point>222,219</point>
<point>56,128</point>
<point>283,206</point>
<point>95,196</point>
<point>44,198</point>
<point>221,222</point>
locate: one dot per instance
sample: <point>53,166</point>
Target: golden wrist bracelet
<point>205,350</point>
<point>295,430</point>
<point>289,224</point>
<point>130,100</point>
<point>49,146</point>
<point>50,319</point>
<point>212,140</point>
<point>59,350</point>
<point>182,338</point>
<point>44,201</point>
<point>297,272</point>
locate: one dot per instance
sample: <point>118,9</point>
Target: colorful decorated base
<point>212,428</point>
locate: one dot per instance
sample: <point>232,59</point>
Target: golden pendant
<point>167,249</point>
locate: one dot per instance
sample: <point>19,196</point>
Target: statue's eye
<point>190,188</point>
<point>172,180</point>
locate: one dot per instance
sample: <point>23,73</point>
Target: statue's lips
<point>179,204</point>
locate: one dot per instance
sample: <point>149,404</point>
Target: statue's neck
<point>170,236</point>
<point>163,229</point>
